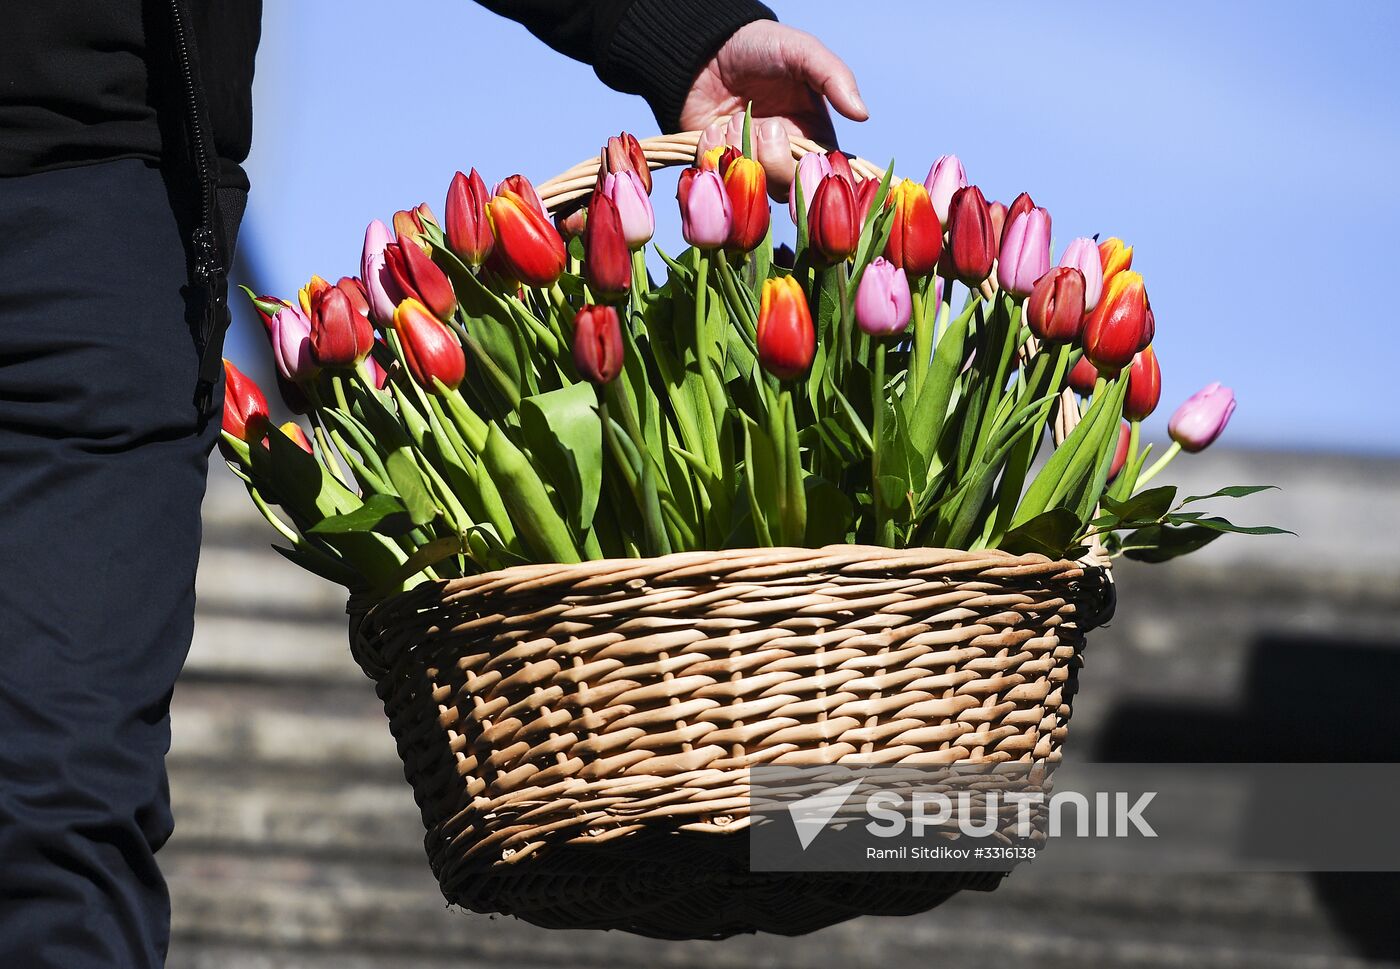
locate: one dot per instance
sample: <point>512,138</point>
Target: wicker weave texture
<point>551,714</point>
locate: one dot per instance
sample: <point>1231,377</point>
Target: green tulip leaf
<point>563,433</point>
<point>1161,543</point>
<point>1233,491</point>
<point>1217,524</point>
<point>379,513</point>
<point>408,481</point>
<point>1051,533</point>
<point>829,513</point>
<point>1144,508</point>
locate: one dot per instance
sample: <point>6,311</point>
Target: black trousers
<point>102,471</point>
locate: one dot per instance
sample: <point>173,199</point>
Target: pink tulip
<point>380,289</point>
<point>944,178</point>
<point>1025,252</point>
<point>883,302</point>
<point>813,167</point>
<point>706,212</point>
<point>1199,421</point>
<point>1083,254</point>
<point>291,345</point>
<point>626,191</point>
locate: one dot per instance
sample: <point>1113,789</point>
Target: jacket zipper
<point>210,274</point>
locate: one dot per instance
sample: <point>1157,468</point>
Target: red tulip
<point>831,224</point>
<point>841,166</point>
<point>971,240</point>
<point>1055,308</point>
<point>1114,330</point>
<point>608,262</point>
<point>1115,257</point>
<point>430,349</point>
<point>409,226</point>
<point>598,348</point>
<point>419,277</point>
<point>468,230</point>
<point>1144,386</point>
<point>718,159</point>
<point>1082,377</point>
<point>520,185</point>
<point>624,153</point>
<point>529,248</point>
<point>245,407</point>
<point>746,186</point>
<point>865,198</point>
<point>916,237</point>
<point>998,213</point>
<point>787,342</point>
<point>1120,452</point>
<point>341,335</point>
<point>1020,205</point>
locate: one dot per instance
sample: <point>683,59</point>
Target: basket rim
<point>746,564</point>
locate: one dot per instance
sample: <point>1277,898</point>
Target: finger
<point>734,131</point>
<point>712,135</point>
<point>828,74</point>
<point>774,150</point>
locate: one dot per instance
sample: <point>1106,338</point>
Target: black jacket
<point>86,81</point>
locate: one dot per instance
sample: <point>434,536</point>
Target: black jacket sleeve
<point>653,48</point>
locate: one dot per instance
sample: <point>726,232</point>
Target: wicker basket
<point>579,737</point>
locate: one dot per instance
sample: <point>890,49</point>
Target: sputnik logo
<point>811,814</point>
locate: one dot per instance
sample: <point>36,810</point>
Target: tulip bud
<point>608,262</point>
<point>1055,309</point>
<point>624,153</point>
<point>1020,205</point>
<point>718,159</point>
<point>883,300</point>
<point>298,436</point>
<point>1083,254</point>
<point>380,288</point>
<point>598,348</point>
<point>430,349</point>
<point>1083,376</point>
<point>529,249</point>
<point>998,214</point>
<point>313,286</point>
<point>1120,451</point>
<point>408,227</point>
<point>840,166</point>
<point>245,407</point>
<point>1144,386</point>
<point>970,239</point>
<point>291,345</point>
<point>865,198</point>
<point>1114,257</point>
<point>418,276</point>
<point>626,191</point>
<point>1199,421</point>
<point>521,186</point>
<point>811,169</point>
<point>706,214</point>
<point>570,224</point>
<point>916,238</point>
<point>787,342</point>
<point>832,228</point>
<point>340,335</point>
<point>746,186</point>
<point>468,231</point>
<point>944,179</point>
<point>1025,252</point>
<point>1113,332</point>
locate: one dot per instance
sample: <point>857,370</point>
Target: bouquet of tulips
<point>497,388</point>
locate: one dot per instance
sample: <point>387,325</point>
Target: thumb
<point>828,74</point>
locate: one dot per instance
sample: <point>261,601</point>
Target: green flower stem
<point>471,425</point>
<point>276,521</point>
<point>923,342</point>
<point>1161,463</point>
<point>946,313</point>
<point>702,337</point>
<point>877,403</point>
<point>845,323</point>
<point>648,496</point>
<point>640,282</point>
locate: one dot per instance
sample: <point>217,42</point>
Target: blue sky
<point>1249,151</point>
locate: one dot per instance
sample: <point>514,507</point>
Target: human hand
<point>789,76</point>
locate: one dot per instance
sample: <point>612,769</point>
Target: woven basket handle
<point>662,151</point>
